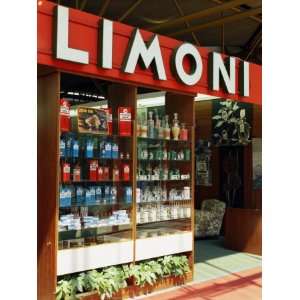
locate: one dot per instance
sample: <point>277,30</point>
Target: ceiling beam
<point>253,42</point>
<point>235,9</point>
<point>103,8</point>
<point>187,24</point>
<point>228,19</point>
<point>130,10</point>
<point>200,14</point>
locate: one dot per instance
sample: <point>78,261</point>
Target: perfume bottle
<point>160,126</point>
<point>183,133</point>
<point>144,129</point>
<point>167,131</point>
<point>151,125</point>
<point>175,127</point>
<point>138,127</point>
<point>156,124</point>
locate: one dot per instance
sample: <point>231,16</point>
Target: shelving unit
<point>77,245</point>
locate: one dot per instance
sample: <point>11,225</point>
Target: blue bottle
<point>128,194</point>
<point>75,149</point>
<point>108,150</point>
<point>62,148</point>
<point>93,195</point>
<point>79,195</point>
<point>98,194</point>
<point>89,151</point>
<point>107,194</point>
<point>102,149</point>
<point>87,197</point>
<point>114,150</point>
<point>69,142</point>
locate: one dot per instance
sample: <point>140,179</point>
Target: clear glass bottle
<point>150,125</point>
<point>167,131</point>
<point>138,127</point>
<point>175,127</point>
<point>183,132</point>
<point>144,129</point>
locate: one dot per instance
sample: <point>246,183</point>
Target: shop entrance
<point>228,181</point>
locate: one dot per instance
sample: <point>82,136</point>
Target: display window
<point>125,175</point>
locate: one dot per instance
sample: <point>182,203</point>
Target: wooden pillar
<point>185,107</point>
<point>48,87</point>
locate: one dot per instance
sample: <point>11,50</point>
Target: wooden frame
<point>48,181</point>
<point>47,186</point>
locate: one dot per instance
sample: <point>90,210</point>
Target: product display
<point>64,115</point>
<point>160,194</point>
<point>90,120</point>
<point>124,121</point>
<point>72,222</point>
<point>154,128</point>
<point>164,171</point>
<point>157,213</point>
<point>95,190</point>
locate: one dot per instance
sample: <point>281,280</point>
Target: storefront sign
<point>149,54</point>
<point>93,46</point>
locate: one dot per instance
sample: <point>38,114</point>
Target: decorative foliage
<point>174,265</point>
<point>110,280</point>
<point>231,124</point>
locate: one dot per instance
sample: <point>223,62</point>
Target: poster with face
<point>92,120</point>
<point>257,163</point>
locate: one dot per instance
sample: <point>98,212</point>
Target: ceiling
<point>233,27</point>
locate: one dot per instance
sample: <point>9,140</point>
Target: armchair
<point>208,220</point>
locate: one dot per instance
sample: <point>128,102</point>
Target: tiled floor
<point>244,285</point>
<point>212,260</point>
<point>220,274</point>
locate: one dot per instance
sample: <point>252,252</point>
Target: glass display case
<point>95,189</point>
<point>125,189</point>
<point>164,173</point>
<point>95,217</point>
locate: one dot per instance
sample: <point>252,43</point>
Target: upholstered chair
<point>208,220</point>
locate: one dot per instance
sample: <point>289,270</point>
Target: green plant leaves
<point>111,279</point>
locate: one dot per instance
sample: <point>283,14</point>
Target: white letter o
<point>179,54</point>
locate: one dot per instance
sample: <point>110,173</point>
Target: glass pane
<point>95,196</point>
<point>164,168</point>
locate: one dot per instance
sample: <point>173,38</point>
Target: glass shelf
<point>94,231</point>
<point>164,160</point>
<point>96,205</point>
<point>169,180</point>
<point>164,221</point>
<point>95,158</point>
<point>164,202</point>
<point>163,140</point>
<point>95,182</point>
<point>94,135</point>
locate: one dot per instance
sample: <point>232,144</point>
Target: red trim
<point>83,35</point>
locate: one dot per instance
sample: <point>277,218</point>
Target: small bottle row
<point>159,128</point>
<point>150,173</point>
<point>90,147</point>
<point>94,171</point>
<point>158,212</point>
<point>144,153</point>
<point>160,194</point>
<point>73,222</point>
<point>93,195</point>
